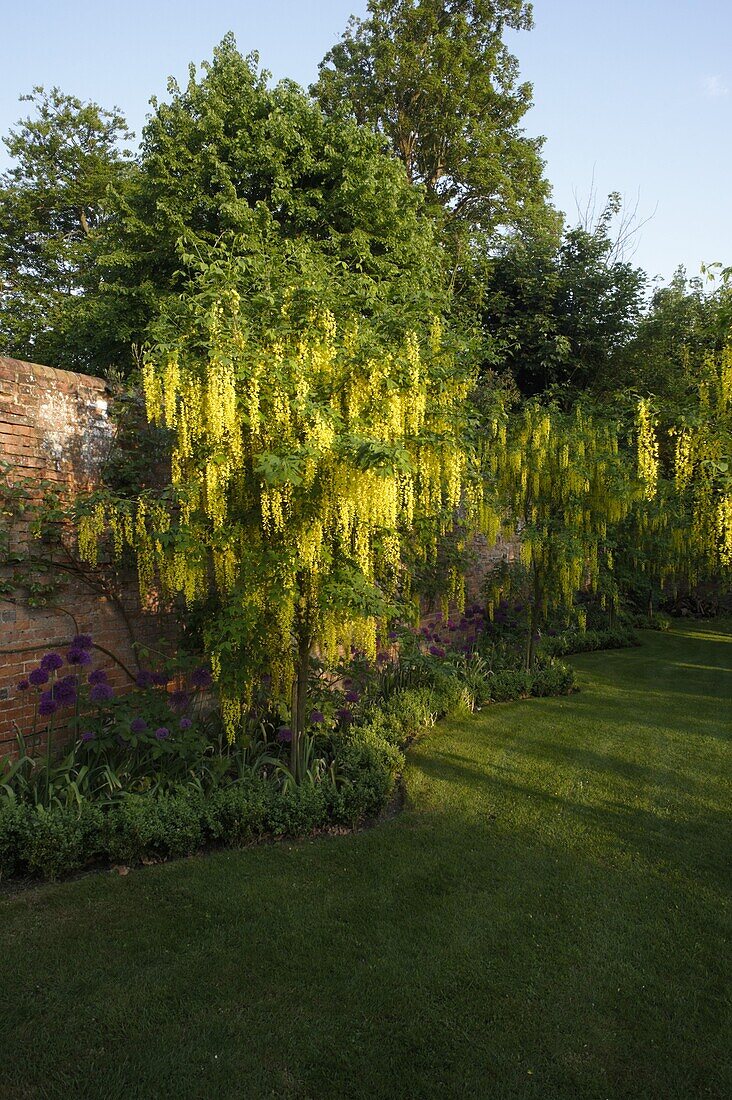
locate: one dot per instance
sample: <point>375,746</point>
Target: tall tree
<point>561,312</point>
<point>229,154</point>
<point>55,202</point>
<point>436,78</point>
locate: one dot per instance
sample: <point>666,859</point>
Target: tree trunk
<point>299,696</point>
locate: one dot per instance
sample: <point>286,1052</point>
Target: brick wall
<point>55,426</point>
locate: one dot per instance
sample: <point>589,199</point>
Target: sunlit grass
<point>549,918</point>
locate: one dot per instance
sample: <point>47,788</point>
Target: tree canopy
<point>55,204</point>
<point>437,80</point>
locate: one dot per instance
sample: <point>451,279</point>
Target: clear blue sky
<point>636,94</point>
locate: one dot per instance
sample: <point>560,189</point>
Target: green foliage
<point>229,155</point>
<point>438,81</point>
<point>686,322</point>
<point>55,205</point>
<point>560,312</point>
<point>169,822</point>
<point>588,641</point>
<point>563,483</point>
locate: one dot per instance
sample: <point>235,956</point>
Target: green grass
<point>548,918</point>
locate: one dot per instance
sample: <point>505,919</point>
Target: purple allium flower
<point>393,635</point>
<point>38,676</point>
<point>178,700</point>
<point>144,678</point>
<point>162,732</point>
<point>64,691</point>
<point>185,723</point>
<point>78,656</point>
<point>437,651</point>
<point>160,679</point>
<point>284,734</point>
<point>316,717</point>
<point>201,677</point>
<point>52,661</point>
<point>88,736</point>
<point>98,676</point>
<point>47,705</point>
<point>23,685</point>
<point>425,630</point>
<point>101,693</point>
<point>81,641</point>
<point>353,696</point>
<point>138,725</point>
<point>344,714</point>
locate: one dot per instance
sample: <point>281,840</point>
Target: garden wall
<point>55,426</point>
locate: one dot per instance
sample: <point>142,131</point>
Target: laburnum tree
<point>437,80</point>
<point>681,532</point>
<point>562,483</point>
<point>310,437</point>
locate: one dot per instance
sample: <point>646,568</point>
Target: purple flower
<point>101,693</point>
<point>284,734</point>
<point>185,723</point>
<point>316,717</point>
<point>98,676</point>
<point>78,656</point>
<point>81,641</point>
<point>178,700</point>
<point>23,685</point>
<point>437,651</point>
<point>138,725</point>
<point>201,677</point>
<point>47,705</point>
<point>64,691</point>
<point>352,696</point>
<point>393,635</point>
<point>160,679</point>
<point>144,678</point>
<point>52,661</point>
<point>38,676</point>
<point>344,715</point>
<point>88,736</point>
<point>162,732</point>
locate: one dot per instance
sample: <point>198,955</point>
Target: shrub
<point>556,680</point>
<point>59,840</point>
<point>13,837</point>
<point>573,642</point>
<point>509,684</point>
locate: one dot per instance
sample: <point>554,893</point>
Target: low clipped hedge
<point>589,641</point>
<point>140,827</point>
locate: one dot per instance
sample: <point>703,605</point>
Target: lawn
<point>548,917</point>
